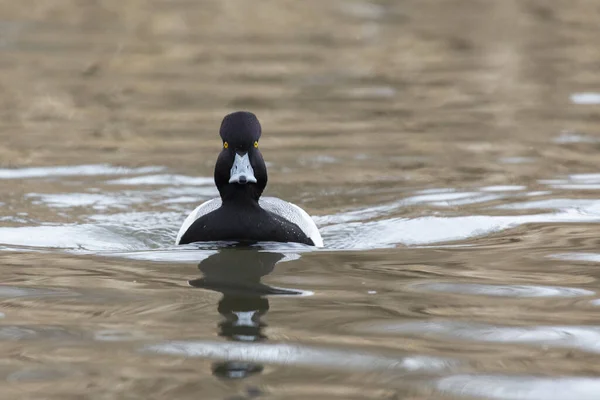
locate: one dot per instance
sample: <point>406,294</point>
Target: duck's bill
<point>241,171</point>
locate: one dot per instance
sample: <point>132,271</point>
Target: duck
<point>241,213</point>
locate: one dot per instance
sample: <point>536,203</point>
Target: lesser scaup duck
<point>241,214</point>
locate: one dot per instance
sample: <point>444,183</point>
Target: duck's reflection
<point>236,272</point>
<point>242,317</point>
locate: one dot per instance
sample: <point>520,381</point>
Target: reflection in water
<point>236,272</point>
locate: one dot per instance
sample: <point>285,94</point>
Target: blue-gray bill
<point>241,171</point>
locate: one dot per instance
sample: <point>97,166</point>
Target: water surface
<point>447,151</point>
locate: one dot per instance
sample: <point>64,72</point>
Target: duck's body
<point>273,220</point>
<point>240,214</point>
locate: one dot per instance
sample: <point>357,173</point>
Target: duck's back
<point>201,210</point>
<point>295,215</point>
<point>280,208</point>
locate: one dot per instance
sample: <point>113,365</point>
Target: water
<point>447,151</point>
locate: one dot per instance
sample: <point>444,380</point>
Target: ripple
<point>436,197</point>
<point>594,178</point>
<point>35,332</point>
<point>134,234</point>
<point>451,199</point>
<point>574,182</point>
<point>428,230</point>
<point>14,291</point>
<point>373,92</point>
<point>589,257</point>
<point>196,252</point>
<point>298,355</point>
<point>359,214</point>
<point>440,197</point>
<point>191,256</point>
<point>114,335</point>
<point>552,204</point>
<point>38,375</point>
<point>584,338</point>
<point>318,160</point>
<point>521,387</point>
<point>145,231</point>
<point>503,188</point>
<point>516,160</point>
<point>164,179</point>
<point>74,170</point>
<point>142,219</point>
<point>585,98</point>
<point>574,186</point>
<point>572,137</point>
<point>75,237</point>
<point>503,290</point>
<point>363,9</point>
<point>92,200</point>
<point>538,193</point>
<point>181,200</point>
<point>435,190</point>
<point>16,220</point>
<point>247,288</point>
<point>125,199</point>
<point>479,198</point>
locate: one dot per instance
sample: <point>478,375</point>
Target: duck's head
<point>240,168</point>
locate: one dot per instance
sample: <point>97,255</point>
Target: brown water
<point>447,150</point>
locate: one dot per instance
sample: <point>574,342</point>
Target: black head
<point>240,172</point>
<point>240,130</point>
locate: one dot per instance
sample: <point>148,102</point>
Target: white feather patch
<point>201,210</point>
<point>284,209</point>
<point>294,214</point>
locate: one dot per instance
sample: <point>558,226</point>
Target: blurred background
<point>139,82</point>
<point>448,151</point>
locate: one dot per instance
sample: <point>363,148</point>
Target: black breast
<point>244,224</point>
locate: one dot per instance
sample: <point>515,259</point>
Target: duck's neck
<point>240,196</point>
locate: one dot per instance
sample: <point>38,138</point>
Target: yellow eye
<point>225,144</point>
<point>256,144</point>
